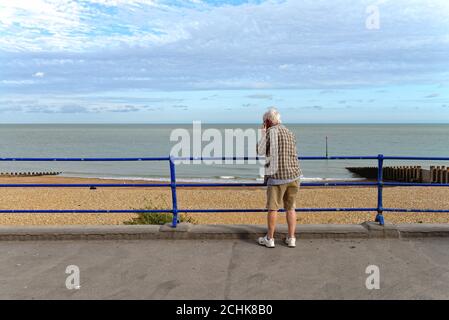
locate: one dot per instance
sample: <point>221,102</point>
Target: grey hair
<point>273,115</point>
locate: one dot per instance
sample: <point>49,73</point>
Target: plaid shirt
<point>279,147</point>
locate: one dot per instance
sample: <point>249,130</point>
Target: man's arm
<point>272,152</point>
<point>262,145</point>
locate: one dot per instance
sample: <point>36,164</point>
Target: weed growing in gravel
<point>158,218</point>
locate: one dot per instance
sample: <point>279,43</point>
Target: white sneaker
<point>291,242</point>
<point>264,241</point>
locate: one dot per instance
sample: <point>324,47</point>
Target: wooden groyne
<point>29,174</point>
<point>439,174</point>
<point>436,174</point>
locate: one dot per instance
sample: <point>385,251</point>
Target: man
<point>282,173</point>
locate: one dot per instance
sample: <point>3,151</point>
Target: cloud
<point>57,109</point>
<point>10,109</point>
<point>210,97</point>
<point>180,106</point>
<point>261,96</point>
<point>73,109</point>
<point>87,46</point>
<point>126,108</point>
<point>108,56</point>
<point>433,95</point>
<point>312,107</point>
<point>326,91</point>
<point>286,66</point>
<point>13,83</point>
<point>39,109</point>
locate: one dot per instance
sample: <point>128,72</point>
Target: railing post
<point>173,193</point>
<point>380,163</point>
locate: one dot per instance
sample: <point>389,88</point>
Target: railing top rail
<point>415,158</point>
<point>225,158</point>
<point>88,159</point>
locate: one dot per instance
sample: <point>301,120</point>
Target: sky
<point>176,61</point>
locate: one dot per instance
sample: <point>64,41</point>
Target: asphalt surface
<point>227,269</point>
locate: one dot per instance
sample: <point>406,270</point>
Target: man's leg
<point>291,221</point>
<point>274,197</point>
<point>290,206</point>
<point>271,219</point>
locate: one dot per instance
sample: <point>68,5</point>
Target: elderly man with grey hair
<point>282,174</point>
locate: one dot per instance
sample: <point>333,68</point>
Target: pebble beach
<point>208,198</point>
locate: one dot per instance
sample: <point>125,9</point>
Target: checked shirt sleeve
<point>272,152</point>
<point>262,145</point>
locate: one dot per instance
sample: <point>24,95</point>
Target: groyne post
<point>440,174</point>
<point>432,174</point>
<point>418,174</point>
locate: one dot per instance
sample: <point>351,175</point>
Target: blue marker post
<point>379,216</point>
<point>173,192</point>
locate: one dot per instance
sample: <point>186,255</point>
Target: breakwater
<point>435,174</point>
<point>29,174</point>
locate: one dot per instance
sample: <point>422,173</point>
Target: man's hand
<point>260,146</point>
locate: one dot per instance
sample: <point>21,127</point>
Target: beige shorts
<point>282,196</point>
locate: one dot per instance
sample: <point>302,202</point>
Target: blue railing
<point>173,185</point>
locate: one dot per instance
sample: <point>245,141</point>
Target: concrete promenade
<point>225,269</point>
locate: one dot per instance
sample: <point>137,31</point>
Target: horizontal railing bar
<point>86,159</point>
<point>225,158</point>
<point>305,184</point>
<point>83,211</point>
<point>181,185</point>
<point>200,185</point>
<point>415,158</point>
<point>411,184</point>
<point>281,210</point>
<point>260,158</point>
<point>179,210</point>
<point>414,210</point>
<point>82,185</point>
<point>340,158</point>
<point>221,210</point>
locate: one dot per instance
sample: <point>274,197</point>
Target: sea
<point>153,140</point>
